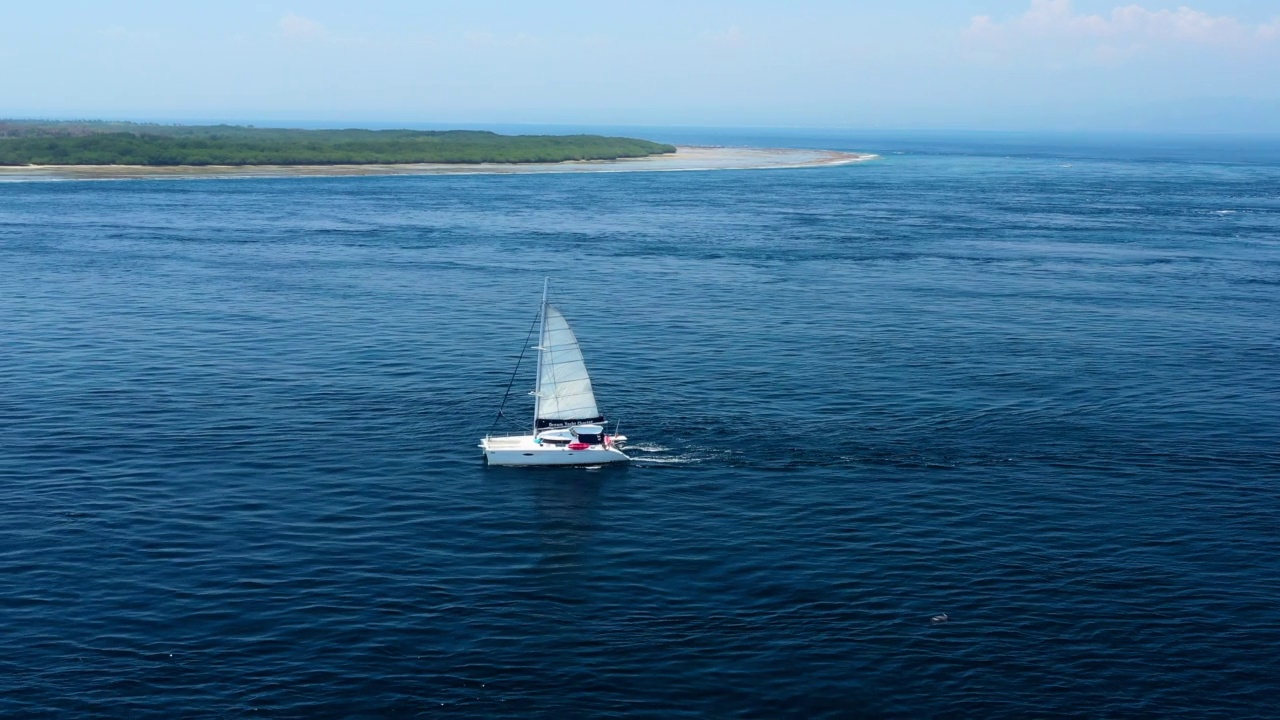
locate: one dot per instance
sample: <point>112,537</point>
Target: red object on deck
<point>578,446</point>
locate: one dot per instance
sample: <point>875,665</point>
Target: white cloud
<point>301,28</point>
<point>1131,25</point>
<point>486,39</point>
<point>729,37</point>
<point>131,34</point>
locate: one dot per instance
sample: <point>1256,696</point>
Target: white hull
<point>522,451</point>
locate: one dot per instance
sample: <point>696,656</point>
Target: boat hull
<point>523,451</point>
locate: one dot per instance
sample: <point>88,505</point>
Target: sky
<point>1149,65</point>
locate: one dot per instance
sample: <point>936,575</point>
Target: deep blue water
<point>1035,387</point>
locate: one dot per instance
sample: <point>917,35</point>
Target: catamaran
<point>568,428</point>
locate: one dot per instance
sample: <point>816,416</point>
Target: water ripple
<point>238,424</point>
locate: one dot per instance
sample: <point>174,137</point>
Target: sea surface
<point>1031,384</point>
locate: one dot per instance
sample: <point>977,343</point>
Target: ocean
<point>1028,383</point>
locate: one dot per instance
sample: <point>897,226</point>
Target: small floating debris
<point>939,618</point>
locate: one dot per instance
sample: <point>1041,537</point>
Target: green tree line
<point>107,143</point>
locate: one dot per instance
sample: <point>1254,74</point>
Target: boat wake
<point>663,460</point>
<point>647,447</point>
<point>653,454</point>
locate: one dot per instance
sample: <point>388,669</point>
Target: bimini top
<point>587,430</point>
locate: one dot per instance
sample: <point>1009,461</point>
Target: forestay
<point>564,389</point>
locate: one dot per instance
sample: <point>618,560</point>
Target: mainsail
<point>564,394</point>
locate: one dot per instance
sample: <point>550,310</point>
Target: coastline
<point>686,158</point>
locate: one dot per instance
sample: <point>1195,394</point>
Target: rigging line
<point>524,349</point>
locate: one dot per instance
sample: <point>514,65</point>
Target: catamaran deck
<point>524,450</point>
<point>515,442</point>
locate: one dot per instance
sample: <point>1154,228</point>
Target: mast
<point>542,329</point>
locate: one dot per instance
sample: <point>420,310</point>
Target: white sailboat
<point>568,428</point>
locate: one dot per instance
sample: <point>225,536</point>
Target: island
<point>99,150</point>
<point>103,143</point>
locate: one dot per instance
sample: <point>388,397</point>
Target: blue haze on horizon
<point>1206,66</point>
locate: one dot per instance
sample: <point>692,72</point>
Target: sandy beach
<point>687,158</point>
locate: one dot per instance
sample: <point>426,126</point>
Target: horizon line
<point>470,125</point>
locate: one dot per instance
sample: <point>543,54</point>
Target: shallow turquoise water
<point>1030,385</point>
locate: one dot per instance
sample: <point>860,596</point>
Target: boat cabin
<point>579,434</point>
<point>589,434</point>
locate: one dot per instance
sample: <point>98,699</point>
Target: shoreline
<point>686,158</point>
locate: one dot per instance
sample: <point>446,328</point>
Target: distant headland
<point>155,145</point>
<point>33,151</point>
